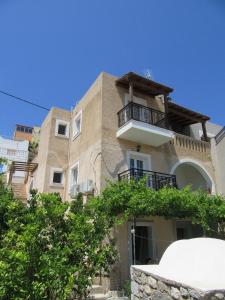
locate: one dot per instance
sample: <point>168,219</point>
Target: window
<point>56,178</point>
<point>28,130</point>
<point>77,125</point>
<point>74,175</point>
<point>74,172</point>
<point>62,128</point>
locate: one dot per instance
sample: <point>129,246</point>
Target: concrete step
<point>98,296</point>
<point>96,289</point>
<point>97,292</point>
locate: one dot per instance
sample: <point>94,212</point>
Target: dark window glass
<point>57,177</point>
<point>62,129</point>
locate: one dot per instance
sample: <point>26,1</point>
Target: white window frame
<point>76,133</point>
<point>146,157</point>
<point>76,165</point>
<point>59,170</point>
<point>62,122</point>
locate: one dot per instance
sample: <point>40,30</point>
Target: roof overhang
<point>183,116</point>
<point>143,84</point>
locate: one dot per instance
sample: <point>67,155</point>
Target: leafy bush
<point>50,249</point>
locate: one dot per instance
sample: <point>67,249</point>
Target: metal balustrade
<point>154,180</point>
<point>137,112</point>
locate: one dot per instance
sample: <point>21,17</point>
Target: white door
<point>138,161</point>
<point>140,165</point>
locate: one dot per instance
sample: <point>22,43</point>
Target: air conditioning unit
<point>74,190</point>
<point>87,186</point>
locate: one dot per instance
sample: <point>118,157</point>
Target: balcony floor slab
<point>144,133</point>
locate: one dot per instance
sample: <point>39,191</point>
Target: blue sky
<point>52,50</point>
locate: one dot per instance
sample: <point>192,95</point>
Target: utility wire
<point>23,100</point>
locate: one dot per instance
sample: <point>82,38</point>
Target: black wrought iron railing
<point>155,180</point>
<point>220,135</point>
<point>134,111</point>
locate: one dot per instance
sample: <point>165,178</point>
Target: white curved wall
<point>199,263</point>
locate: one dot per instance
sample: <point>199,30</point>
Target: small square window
<point>62,129</point>
<point>57,177</point>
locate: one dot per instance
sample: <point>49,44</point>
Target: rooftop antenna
<point>148,74</point>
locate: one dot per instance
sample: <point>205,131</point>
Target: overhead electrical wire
<point>24,100</point>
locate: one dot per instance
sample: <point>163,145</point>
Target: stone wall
<point>149,286</point>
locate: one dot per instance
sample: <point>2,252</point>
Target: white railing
<point>12,154</point>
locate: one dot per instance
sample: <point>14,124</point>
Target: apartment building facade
<point>126,127</point>
<point>26,133</point>
<point>14,151</point>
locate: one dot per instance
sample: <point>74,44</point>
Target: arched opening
<point>189,172</point>
<point>192,173</point>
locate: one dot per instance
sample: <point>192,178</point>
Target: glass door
<point>137,167</point>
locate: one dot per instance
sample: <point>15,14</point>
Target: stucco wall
<point>53,151</point>
<point>86,148</point>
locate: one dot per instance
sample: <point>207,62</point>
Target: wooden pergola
<point>176,115</point>
<point>181,116</point>
<point>132,80</point>
<point>27,167</point>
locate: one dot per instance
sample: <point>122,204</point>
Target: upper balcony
<point>143,125</point>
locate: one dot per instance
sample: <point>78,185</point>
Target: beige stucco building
<point>127,127</point>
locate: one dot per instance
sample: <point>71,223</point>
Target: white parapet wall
<point>189,269</point>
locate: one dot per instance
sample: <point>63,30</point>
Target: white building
<point>14,151</point>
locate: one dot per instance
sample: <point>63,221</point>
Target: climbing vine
<point>124,199</point>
